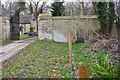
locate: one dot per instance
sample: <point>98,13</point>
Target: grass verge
<point>50,60</point>
<point>9,41</point>
<point>5,42</point>
<point>40,60</point>
<point>24,36</point>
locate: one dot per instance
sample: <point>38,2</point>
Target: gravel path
<point>8,51</point>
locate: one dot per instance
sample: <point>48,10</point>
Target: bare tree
<point>83,8</point>
<point>31,8</point>
<point>0,2</point>
<point>6,4</point>
<point>78,8</point>
<point>94,7</point>
<point>14,5</point>
<point>36,8</point>
<point>87,8</point>
<point>118,24</point>
<point>72,8</point>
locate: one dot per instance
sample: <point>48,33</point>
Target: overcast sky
<point>61,0</point>
<point>51,1</point>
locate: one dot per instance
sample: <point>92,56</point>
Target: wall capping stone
<point>48,17</point>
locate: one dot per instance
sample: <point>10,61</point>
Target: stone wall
<point>57,28</point>
<point>4,28</point>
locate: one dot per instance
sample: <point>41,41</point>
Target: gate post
<point>14,26</point>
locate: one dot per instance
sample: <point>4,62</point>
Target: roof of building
<point>5,12</point>
<point>25,19</point>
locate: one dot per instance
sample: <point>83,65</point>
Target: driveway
<point>8,51</point>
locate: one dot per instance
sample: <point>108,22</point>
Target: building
<point>5,23</point>
<point>25,23</point>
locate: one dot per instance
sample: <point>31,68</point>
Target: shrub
<point>21,27</point>
<point>32,29</point>
<point>100,63</point>
<point>26,33</point>
<point>104,68</point>
<point>33,34</point>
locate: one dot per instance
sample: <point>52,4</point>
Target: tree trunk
<point>37,24</point>
<point>94,7</point>
<point>83,7</point>
<point>118,28</point>
<point>111,16</point>
<point>10,5</point>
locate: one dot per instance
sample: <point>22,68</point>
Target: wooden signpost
<point>83,71</point>
<point>70,48</point>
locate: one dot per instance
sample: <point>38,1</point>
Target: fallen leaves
<point>40,61</point>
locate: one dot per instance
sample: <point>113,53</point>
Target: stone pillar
<point>14,26</point>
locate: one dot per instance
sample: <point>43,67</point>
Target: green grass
<point>41,60</point>
<point>0,42</point>
<point>99,62</point>
<point>9,41</point>
<point>48,60</point>
<point>5,42</point>
<point>24,36</point>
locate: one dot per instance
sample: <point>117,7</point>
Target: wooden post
<point>83,71</point>
<point>70,48</point>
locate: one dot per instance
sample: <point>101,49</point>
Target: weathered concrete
<point>8,51</point>
<point>57,28</point>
